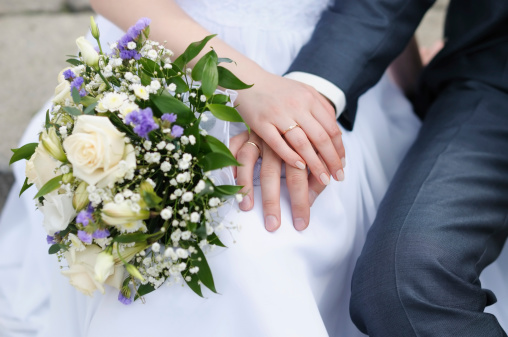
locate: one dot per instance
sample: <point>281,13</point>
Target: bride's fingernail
<point>343,160</point>
<point>271,223</point>
<point>325,179</point>
<point>312,197</point>
<point>299,224</point>
<point>340,175</point>
<point>300,165</point>
<point>245,204</point>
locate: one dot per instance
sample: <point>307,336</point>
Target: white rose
<point>88,52</point>
<point>81,272</point>
<point>41,167</point>
<point>104,266</point>
<point>97,151</point>
<point>116,214</point>
<point>62,92</point>
<point>58,212</point>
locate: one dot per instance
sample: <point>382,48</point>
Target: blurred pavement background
<point>35,37</point>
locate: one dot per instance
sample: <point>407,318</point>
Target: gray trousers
<point>442,221</point>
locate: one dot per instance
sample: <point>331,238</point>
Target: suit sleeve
<point>355,41</point>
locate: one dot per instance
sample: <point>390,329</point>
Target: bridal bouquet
<point>123,166</point>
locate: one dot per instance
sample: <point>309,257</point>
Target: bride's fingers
<point>329,123</point>
<point>323,144</point>
<point>299,141</point>
<point>274,140</point>
<point>247,155</point>
<point>270,188</point>
<point>297,183</point>
<point>235,143</point>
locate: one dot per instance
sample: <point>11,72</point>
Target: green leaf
<point>151,199</point>
<point>228,189</point>
<point>224,59</point>
<point>75,95</point>
<point>88,100</point>
<point>72,111</point>
<point>228,80</point>
<point>55,248</point>
<point>191,52</point>
<point>204,273</point>
<point>47,123</point>
<point>24,152</point>
<point>181,86</point>
<point>193,283</point>
<point>74,62</point>
<point>26,186</point>
<point>194,131</point>
<point>210,79</point>
<point>143,290</point>
<point>167,103</point>
<point>90,110</point>
<point>214,240</point>
<point>214,161</point>
<point>224,112</point>
<point>146,79</point>
<point>217,146</point>
<point>219,99</point>
<point>50,186</point>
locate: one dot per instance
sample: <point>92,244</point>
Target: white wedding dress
<point>286,283</point>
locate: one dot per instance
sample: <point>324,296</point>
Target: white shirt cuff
<point>325,87</point>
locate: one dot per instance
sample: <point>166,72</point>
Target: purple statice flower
<point>127,54</point>
<point>85,216</point>
<point>176,131</point>
<point>131,35</point>
<point>169,117</point>
<point>100,234</point>
<point>78,83</point>
<point>69,75</point>
<point>85,237</point>
<point>143,122</point>
<point>123,299</point>
<point>50,239</point>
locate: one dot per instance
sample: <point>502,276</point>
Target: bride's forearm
<point>170,23</point>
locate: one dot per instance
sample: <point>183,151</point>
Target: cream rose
<point>62,92</point>
<point>97,151</point>
<point>58,212</point>
<point>81,272</point>
<point>41,167</point>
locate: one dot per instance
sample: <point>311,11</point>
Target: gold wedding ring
<point>256,145</point>
<point>290,128</point>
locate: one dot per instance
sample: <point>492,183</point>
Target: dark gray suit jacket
<point>355,41</point>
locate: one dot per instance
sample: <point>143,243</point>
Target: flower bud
<point>94,29</point>
<point>89,54</point>
<point>134,272</point>
<point>67,178</point>
<point>52,144</point>
<point>80,199</point>
<point>104,266</point>
<point>122,213</point>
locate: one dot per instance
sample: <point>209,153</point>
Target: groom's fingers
<point>247,155</point>
<point>270,188</point>
<point>235,143</point>
<point>314,189</point>
<point>297,183</point>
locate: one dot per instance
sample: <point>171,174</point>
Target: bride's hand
<point>303,188</point>
<point>297,122</point>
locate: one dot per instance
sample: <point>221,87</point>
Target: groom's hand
<point>303,187</point>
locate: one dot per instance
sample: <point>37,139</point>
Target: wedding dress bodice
<point>269,15</point>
